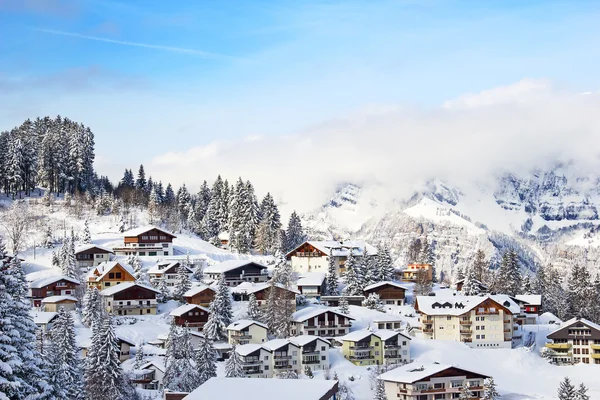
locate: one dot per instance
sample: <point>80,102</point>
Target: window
<point>266,367</point>
<point>147,311</point>
<point>404,343</point>
<point>142,253</point>
<point>474,383</point>
<point>165,253</point>
<point>323,358</point>
<point>98,255</point>
<point>422,386</point>
<point>376,353</point>
<point>144,237</point>
<point>440,396</point>
<point>294,353</point>
<point>483,336</point>
<point>165,245</point>
<point>457,384</point>
<point>118,275</point>
<point>148,302</point>
<point>266,358</point>
<point>448,317</point>
<point>322,348</point>
<point>111,275</point>
<point>151,253</point>
<point>128,303</point>
<point>439,385</point>
<point>106,283</point>
<point>294,362</point>
<point>153,237</point>
<point>163,237</point>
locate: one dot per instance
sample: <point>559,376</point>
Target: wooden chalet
<point>91,255</point>
<point>130,298</point>
<point>146,241</point>
<point>261,291</point>
<point>191,315</point>
<point>390,293</point>
<point>237,272</point>
<point>201,295</point>
<point>109,274</point>
<point>58,285</point>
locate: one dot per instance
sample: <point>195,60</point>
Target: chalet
<point>149,376</point>
<point>54,303</point>
<point>387,321</point>
<point>478,321</point>
<point>313,256</point>
<point>246,331</point>
<point>91,255</point>
<point>390,293</point>
<point>576,341</point>
<point>124,348</point>
<point>334,301</point>
<point>192,315</point>
<point>429,381</point>
<point>265,389</point>
<point>109,274</point>
<point>312,284</point>
<point>43,320</point>
<point>320,321</point>
<point>286,356</point>
<point>256,360</point>
<point>261,291</point>
<point>237,271</point>
<point>58,285</point>
<point>146,241</point>
<point>314,352</point>
<point>201,295</point>
<point>167,271</point>
<point>482,288</point>
<point>412,271</point>
<point>531,308</point>
<point>130,298</point>
<point>380,347</point>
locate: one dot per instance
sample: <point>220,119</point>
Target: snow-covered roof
<point>458,305</point>
<point>223,236</point>
<point>249,348</point>
<point>40,283</point>
<point>532,299</point>
<point>387,318</point>
<point>277,344</point>
<point>311,279</point>
<point>179,311</point>
<point>411,373</point>
<point>311,312</point>
<point>158,364</point>
<point>230,265</point>
<point>263,389</point>
<point>85,247</point>
<point>243,324</point>
<point>582,320</point>
<point>123,286</point>
<point>303,340</point>
<point>252,287</point>
<point>340,249</point>
<point>104,268</point>
<point>58,299</point>
<point>378,284</point>
<point>42,317</point>
<point>383,334</point>
<point>144,229</point>
<point>197,289</point>
<point>161,268</point>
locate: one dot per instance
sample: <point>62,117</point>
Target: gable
<point>134,293</point>
<point>306,249</point>
<point>569,332</point>
<point>454,371</point>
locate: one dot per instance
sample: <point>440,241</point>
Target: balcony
<point>392,356</point>
<point>428,330</point>
<point>145,377</point>
<point>466,323</point>
<point>467,340</point>
<point>595,356</point>
<point>283,366</point>
<point>311,352</point>
<point>355,358</point>
<point>434,390</point>
<point>243,337</point>
<point>507,321</point>
<point>359,348</point>
<point>392,347</point>
<point>465,332</point>
<point>595,346</point>
<point>132,306</point>
<point>345,325</point>
<point>558,346</point>
<point>252,363</point>
<point>507,330</point>
<point>487,312</point>
<point>282,357</point>
<point>310,362</point>
<point>253,371</point>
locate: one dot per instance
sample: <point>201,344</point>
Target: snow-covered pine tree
<point>480,265</point>
<point>153,205</point>
<point>269,225</point>
<point>136,264</point>
<point>466,393</point>
<point>580,292</point>
<point>234,366</point>
<point>353,280</point>
<point>582,393</point>
<point>183,283</point>
<point>49,240</point>
<point>202,200</point>
<point>55,260</point>
<point>288,375</point>
<point>180,374</point>
<point>369,269</point>
<point>460,275</point>
<point>253,310</point>
<point>295,235</point>
<point>470,286</point>
<point>139,356</point>
<point>526,285</point>
<point>489,390</point>
<point>344,308</point>
<point>379,391</point>
<point>270,313</point>
<point>566,390</point>
<point>163,288</point>
<point>373,302</point>
<point>67,257</point>
<point>220,313</point>
<point>93,310</point>
<point>206,361</point>
<point>238,233</point>
<point>22,373</point>
<point>87,237</point>
<point>510,273</point>
<point>67,373</point>
<point>104,379</point>
<point>332,282</point>
<point>344,391</point>
<point>385,264</point>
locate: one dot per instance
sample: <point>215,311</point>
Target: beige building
<point>431,381</point>
<point>478,321</point>
<point>54,303</point>
<point>320,321</point>
<point>130,298</point>
<point>313,256</point>
<point>246,331</point>
<point>576,341</point>
<point>379,347</point>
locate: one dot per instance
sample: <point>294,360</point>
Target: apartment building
<point>246,331</point>
<point>320,321</point>
<point>412,271</point>
<point>431,381</point>
<point>256,360</point>
<point>576,341</point>
<point>237,272</point>
<point>380,347</point>
<point>478,321</point>
<point>313,256</point>
<point>314,352</point>
<point>286,356</point>
<point>130,298</point>
<point>91,255</point>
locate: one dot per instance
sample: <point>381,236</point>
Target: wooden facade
<point>306,250</point>
<point>59,288</point>
<point>134,293</point>
<point>202,298</point>
<point>117,274</point>
<point>388,294</point>
<point>196,318</point>
<point>151,236</point>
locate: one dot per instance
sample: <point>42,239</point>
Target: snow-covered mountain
<point>547,216</point>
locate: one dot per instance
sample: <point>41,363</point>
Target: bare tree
<point>15,222</point>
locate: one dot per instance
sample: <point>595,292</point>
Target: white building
<point>320,321</point>
<point>256,360</point>
<point>431,381</point>
<point>146,241</point>
<point>478,321</point>
<point>313,256</point>
<point>150,375</point>
<point>246,331</point>
<point>167,271</point>
<point>285,356</point>
<point>312,284</point>
<point>130,298</point>
<point>91,255</point>
<point>314,352</point>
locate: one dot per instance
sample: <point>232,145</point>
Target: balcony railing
<point>466,323</point>
<point>361,358</point>
<point>311,362</point>
<point>595,356</point>
<point>595,346</point>
<point>241,337</point>
<point>558,346</point>
<point>465,332</point>
<point>361,348</point>
<point>392,346</point>
<point>507,321</point>
<point>132,306</point>
<point>488,312</point>
<point>253,363</point>
<point>428,330</point>
<point>392,356</point>
<point>283,366</point>
<point>312,352</point>
<point>282,357</point>
<point>142,378</point>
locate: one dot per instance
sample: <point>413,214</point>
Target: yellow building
<point>109,274</point>
<point>380,347</point>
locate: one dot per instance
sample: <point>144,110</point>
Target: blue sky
<point>151,77</point>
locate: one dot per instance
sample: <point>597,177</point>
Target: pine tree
<point>153,205</point>
<point>183,283</point>
<point>308,372</point>
<point>295,235</point>
<point>379,391</point>
<point>253,310</point>
<point>180,374</point>
<point>480,265</point>
<point>220,313</point>
<point>460,275</point>
<point>511,275</point>
<point>369,269</point>
<point>55,260</point>
<point>139,356</point>
<point>373,302</point>
<point>138,272</point>
<point>64,357</point>
<point>344,308</point>
<point>470,285</point>
<point>582,393</point>
<point>489,390</point>
<point>466,393</point>
<point>384,264</point>
<point>344,391</point>
<point>93,310</point>
<point>332,282</point>
<point>87,237</point>
<point>234,365</point>
<point>68,261</point>
<point>140,183</point>
<point>49,241</point>
<point>163,288</point>
<point>580,292</point>
<point>526,285</point>
<point>206,360</point>
<point>353,281</point>
<point>269,226</point>
<point>566,390</point>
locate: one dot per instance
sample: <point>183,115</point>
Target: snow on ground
<point>438,212</point>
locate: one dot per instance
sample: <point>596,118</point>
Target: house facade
<point>109,274</point>
<point>256,360</point>
<point>313,256</point>
<point>431,381</point>
<point>130,298</point>
<point>390,293</point>
<point>314,352</point>
<point>478,321</point>
<point>246,331</point>
<point>380,347</point>
<point>324,322</point>
<point>146,241</point>
<point>91,255</point>
<point>312,284</point>
<point>54,303</point>
<point>387,321</point>
<point>576,341</point>
<point>237,272</point>
<point>411,272</point>
<point>123,349</point>
<point>531,308</point>
<point>201,295</point>
<point>149,376</point>
<point>59,285</point>
<point>167,271</point>
<point>192,315</point>
<point>285,356</point>
<point>262,291</point>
